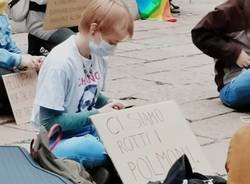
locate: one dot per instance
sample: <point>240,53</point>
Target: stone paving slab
<point>203,141</point>
<point>166,40</point>
<point>216,155</point>
<point>153,91</point>
<point>130,46</point>
<point>203,109</point>
<point>218,127</point>
<point>184,77</point>
<point>10,136</point>
<point>163,53</point>
<point>180,63</point>
<point>116,88</point>
<point>181,94</point>
<point>25,127</point>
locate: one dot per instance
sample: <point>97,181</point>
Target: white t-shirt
<point>68,81</point>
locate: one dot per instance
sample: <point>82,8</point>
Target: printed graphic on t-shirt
<point>83,81</point>
<point>87,100</point>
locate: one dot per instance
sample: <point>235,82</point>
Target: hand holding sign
<point>112,106</point>
<point>144,142</point>
<point>31,62</point>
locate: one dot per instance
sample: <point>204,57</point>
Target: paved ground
<point>161,63</point>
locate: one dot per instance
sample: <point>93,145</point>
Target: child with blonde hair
<point>72,78</point>
<point>11,57</point>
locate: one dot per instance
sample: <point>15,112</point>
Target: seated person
<point>223,34</point>
<point>40,41</point>
<point>72,78</point>
<point>11,57</point>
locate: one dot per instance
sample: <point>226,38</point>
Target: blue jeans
<point>236,94</point>
<point>85,148</point>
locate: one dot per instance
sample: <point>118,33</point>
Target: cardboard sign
<point>63,13</point>
<point>21,89</point>
<point>144,142</point>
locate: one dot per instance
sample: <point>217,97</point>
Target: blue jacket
<point>10,55</point>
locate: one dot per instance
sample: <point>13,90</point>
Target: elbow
<point>196,38</point>
<point>203,40</point>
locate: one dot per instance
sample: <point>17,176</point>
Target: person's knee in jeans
<point>87,150</point>
<point>236,93</point>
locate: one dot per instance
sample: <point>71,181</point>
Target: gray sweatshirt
<point>34,19</point>
<point>34,22</point>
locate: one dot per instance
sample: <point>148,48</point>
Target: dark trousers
<point>38,46</point>
<point>4,101</point>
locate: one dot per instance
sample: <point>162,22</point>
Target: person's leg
<point>38,46</point>
<point>87,150</point>
<point>74,29</point>
<point>60,35</point>
<point>4,101</point>
<point>236,94</point>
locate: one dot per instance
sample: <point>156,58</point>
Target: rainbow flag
<point>147,7</point>
<point>155,10</point>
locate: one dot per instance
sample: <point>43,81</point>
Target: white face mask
<point>102,49</point>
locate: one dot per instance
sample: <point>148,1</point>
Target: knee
<point>87,150</point>
<point>91,152</point>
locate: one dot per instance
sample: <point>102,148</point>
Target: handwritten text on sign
<point>21,92</point>
<point>144,142</point>
<point>64,13</point>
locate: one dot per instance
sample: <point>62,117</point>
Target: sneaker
<point>174,10</point>
<point>174,6</point>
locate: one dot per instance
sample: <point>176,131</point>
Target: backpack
<point>18,9</point>
<point>181,173</point>
<point>41,153</point>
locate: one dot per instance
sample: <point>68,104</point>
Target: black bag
<point>181,173</point>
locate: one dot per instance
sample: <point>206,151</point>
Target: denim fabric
<point>85,148</point>
<point>236,94</point>
<point>9,53</point>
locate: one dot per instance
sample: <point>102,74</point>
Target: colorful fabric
<point>9,53</point>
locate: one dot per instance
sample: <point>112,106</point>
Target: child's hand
<point>38,61</point>
<point>113,105</point>
<point>243,60</point>
<point>31,62</point>
<point>106,108</point>
<point>117,104</point>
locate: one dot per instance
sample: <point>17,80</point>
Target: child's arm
<point>12,47</point>
<point>210,34</point>
<point>68,121</point>
<point>102,100</point>
<point>8,59</point>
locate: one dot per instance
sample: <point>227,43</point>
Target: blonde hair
<point>108,15</point>
<point>3,5</point>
